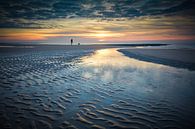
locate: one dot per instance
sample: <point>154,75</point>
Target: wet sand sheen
<point>82,89</point>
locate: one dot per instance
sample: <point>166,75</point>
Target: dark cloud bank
<point>12,11</point>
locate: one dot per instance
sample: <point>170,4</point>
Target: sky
<point>96,21</point>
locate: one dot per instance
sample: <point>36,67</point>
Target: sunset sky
<point>96,21</point>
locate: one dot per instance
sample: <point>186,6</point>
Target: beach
<point>100,87</point>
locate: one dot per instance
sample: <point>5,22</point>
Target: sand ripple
<point>44,90</point>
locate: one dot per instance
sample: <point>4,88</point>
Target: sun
<point>102,35</point>
<point>101,40</point>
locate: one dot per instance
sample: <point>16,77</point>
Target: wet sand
<point>25,48</point>
<point>21,49</point>
<point>181,58</point>
<point>89,88</point>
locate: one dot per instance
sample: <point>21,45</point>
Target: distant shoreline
<point>117,45</point>
<point>25,48</point>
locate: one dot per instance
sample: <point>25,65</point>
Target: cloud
<point>140,28</point>
<point>50,9</point>
<point>98,19</point>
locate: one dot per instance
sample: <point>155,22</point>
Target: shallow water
<point>104,89</point>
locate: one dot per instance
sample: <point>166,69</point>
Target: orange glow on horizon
<point>126,30</point>
<point>99,37</point>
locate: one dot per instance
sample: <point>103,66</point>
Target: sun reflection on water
<point>113,58</point>
<point>111,65</point>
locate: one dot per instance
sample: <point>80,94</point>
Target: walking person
<point>71,41</point>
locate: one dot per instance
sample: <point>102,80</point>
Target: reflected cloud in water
<point>109,65</point>
<point>115,59</point>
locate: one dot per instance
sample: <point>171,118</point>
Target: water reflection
<point>109,65</point>
<point>113,58</point>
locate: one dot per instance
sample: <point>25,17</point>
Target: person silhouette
<point>71,41</point>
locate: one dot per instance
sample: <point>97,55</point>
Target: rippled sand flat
<point>100,89</point>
